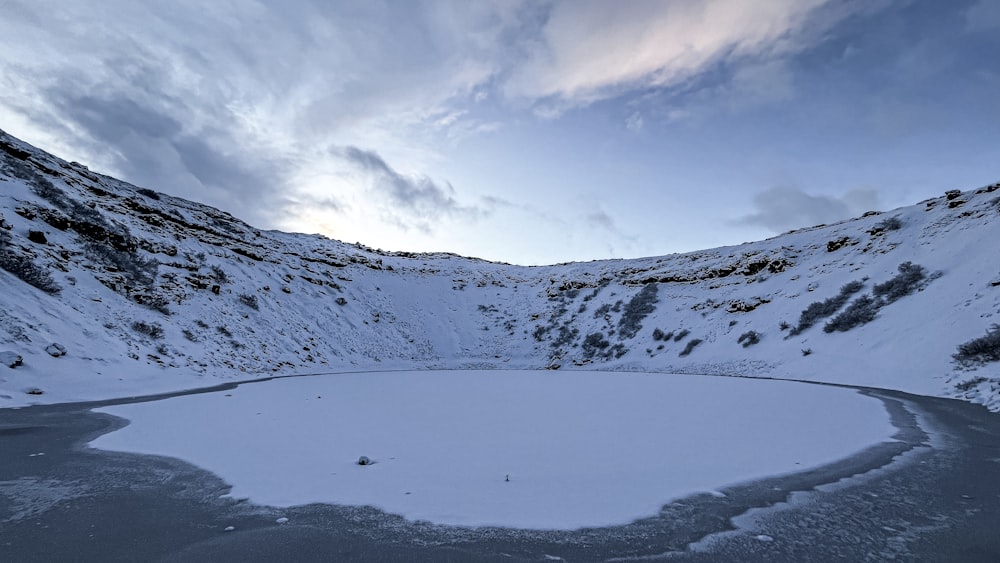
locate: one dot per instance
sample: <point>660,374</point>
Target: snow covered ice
<point>581,449</point>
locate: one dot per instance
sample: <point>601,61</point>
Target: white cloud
<point>592,49</point>
<point>634,122</point>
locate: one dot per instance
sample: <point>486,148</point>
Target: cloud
<point>634,122</point>
<point>142,137</point>
<point>603,220</point>
<point>227,102</point>
<point>591,49</point>
<point>983,16</point>
<point>782,208</point>
<point>412,201</point>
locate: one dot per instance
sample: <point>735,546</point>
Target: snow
<point>326,306</point>
<point>580,448</point>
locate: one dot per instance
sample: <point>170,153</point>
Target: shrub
<point>594,293</point>
<point>249,301</point>
<point>224,331</point>
<point>594,343</point>
<point>602,310</point>
<point>190,335</point>
<point>680,335</point>
<point>153,301</point>
<point>618,350</point>
<point>904,283</point>
<point>890,224</point>
<point>690,346</point>
<point>970,384</point>
<point>641,305</point>
<point>148,193</point>
<point>539,332</point>
<point>565,335</point>
<point>980,350</point>
<point>748,338</point>
<point>658,334</point>
<point>822,309</point>
<point>152,330</point>
<point>219,275</point>
<point>137,270</point>
<point>24,269</point>
<point>862,311</point>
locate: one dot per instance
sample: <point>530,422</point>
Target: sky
<point>529,132</point>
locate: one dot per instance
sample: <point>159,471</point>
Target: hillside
<point>147,292</point>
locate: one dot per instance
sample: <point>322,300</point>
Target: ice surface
<point>580,448</point>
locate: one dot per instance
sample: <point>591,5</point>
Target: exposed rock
<point>37,237</point>
<point>10,359</point>
<point>364,460</point>
<point>56,350</point>
<point>837,244</point>
<point>745,306</point>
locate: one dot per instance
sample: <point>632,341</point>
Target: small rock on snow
<point>10,359</point>
<point>56,350</point>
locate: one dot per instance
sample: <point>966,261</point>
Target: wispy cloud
<point>983,16</point>
<point>590,50</point>
<point>415,201</point>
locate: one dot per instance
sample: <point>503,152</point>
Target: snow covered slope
<point>149,292</point>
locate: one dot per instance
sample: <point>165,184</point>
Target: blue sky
<point>527,132</point>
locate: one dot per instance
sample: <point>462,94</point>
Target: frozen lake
<point>581,449</point>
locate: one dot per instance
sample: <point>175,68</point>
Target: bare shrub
<point>593,344</point>
<point>137,270</point>
<point>748,338</point>
<point>24,268</point>
<point>152,330</point>
<point>641,305</point>
<point>909,279</point>
<point>822,309</point>
<point>979,351</point>
<point>690,347</point>
<point>863,310</point>
<point>218,274</point>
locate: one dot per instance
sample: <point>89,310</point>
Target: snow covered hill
<point>148,292</point>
